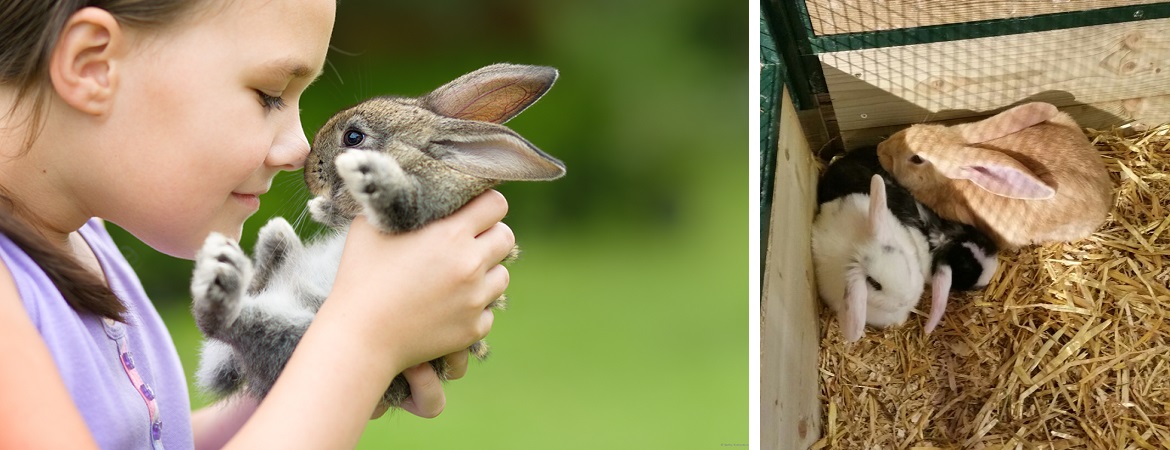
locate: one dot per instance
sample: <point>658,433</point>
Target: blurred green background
<point>628,320</point>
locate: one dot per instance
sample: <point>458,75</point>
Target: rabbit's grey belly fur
<point>254,315</point>
<point>249,344</point>
<point>271,319</point>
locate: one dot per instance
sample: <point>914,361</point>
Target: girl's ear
<point>83,65</point>
<point>999,174</point>
<point>1007,122</point>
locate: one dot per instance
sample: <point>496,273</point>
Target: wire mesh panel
<point>888,64</point>
<point>829,17</point>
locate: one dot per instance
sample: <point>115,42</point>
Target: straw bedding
<point>1068,347</point>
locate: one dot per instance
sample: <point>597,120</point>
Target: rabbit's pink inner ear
<point>1007,122</point>
<point>940,288</point>
<point>877,205</point>
<point>1006,180</point>
<point>997,173</point>
<point>495,93</point>
<point>852,318</point>
<point>492,151</point>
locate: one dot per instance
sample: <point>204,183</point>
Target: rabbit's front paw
<point>222,272</point>
<point>375,180</point>
<point>277,242</point>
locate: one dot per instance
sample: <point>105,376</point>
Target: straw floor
<point>1067,348</point>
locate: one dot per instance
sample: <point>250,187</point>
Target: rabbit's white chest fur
<point>305,278</point>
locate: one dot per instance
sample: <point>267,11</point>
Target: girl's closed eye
<point>270,102</point>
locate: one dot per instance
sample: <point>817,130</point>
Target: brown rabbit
<point>1027,175</point>
<point>401,161</point>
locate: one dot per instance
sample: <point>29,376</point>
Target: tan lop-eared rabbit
<point>1027,175</point>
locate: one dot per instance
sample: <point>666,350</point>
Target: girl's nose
<point>290,148</point>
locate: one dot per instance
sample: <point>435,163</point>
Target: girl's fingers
<point>485,322</point>
<point>457,364</point>
<point>496,282</point>
<point>483,211</point>
<point>426,392</point>
<point>499,240</point>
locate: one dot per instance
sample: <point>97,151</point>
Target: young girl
<point>170,119</point>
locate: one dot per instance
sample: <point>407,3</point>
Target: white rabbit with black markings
<point>959,257</point>
<point>403,162</point>
<point>870,268</point>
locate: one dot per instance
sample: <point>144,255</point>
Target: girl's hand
<point>427,398</point>
<point>416,296</point>
<point>398,300</point>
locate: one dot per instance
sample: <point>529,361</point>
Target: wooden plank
<point>949,80</point>
<point>790,411</point>
<point>1145,112</point>
<point>853,16</point>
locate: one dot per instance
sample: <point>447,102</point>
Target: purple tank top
<point>125,379</point>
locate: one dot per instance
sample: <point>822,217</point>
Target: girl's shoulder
<point>25,278</point>
<point>42,403</point>
<point>94,356</point>
<point>8,292</point>
<point>21,278</point>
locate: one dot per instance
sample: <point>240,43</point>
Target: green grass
<point>615,337</point>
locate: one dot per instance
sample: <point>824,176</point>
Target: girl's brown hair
<point>29,29</point>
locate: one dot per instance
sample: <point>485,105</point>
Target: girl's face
<point>205,116</point>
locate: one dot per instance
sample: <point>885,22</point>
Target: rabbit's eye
<point>917,159</point>
<point>352,138</point>
<point>872,282</point>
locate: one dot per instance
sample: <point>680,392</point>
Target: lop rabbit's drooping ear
<point>1027,175</point>
<point>853,317</point>
<point>995,171</point>
<point>998,173</point>
<point>940,289</point>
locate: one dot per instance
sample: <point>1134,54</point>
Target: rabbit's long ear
<point>487,150</point>
<point>940,288</point>
<point>852,318</point>
<point>877,207</point>
<point>998,173</point>
<point>494,93</point>
<point>1007,122</point>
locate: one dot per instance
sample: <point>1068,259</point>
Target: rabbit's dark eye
<point>872,282</point>
<point>352,138</point>
<point>917,159</point>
